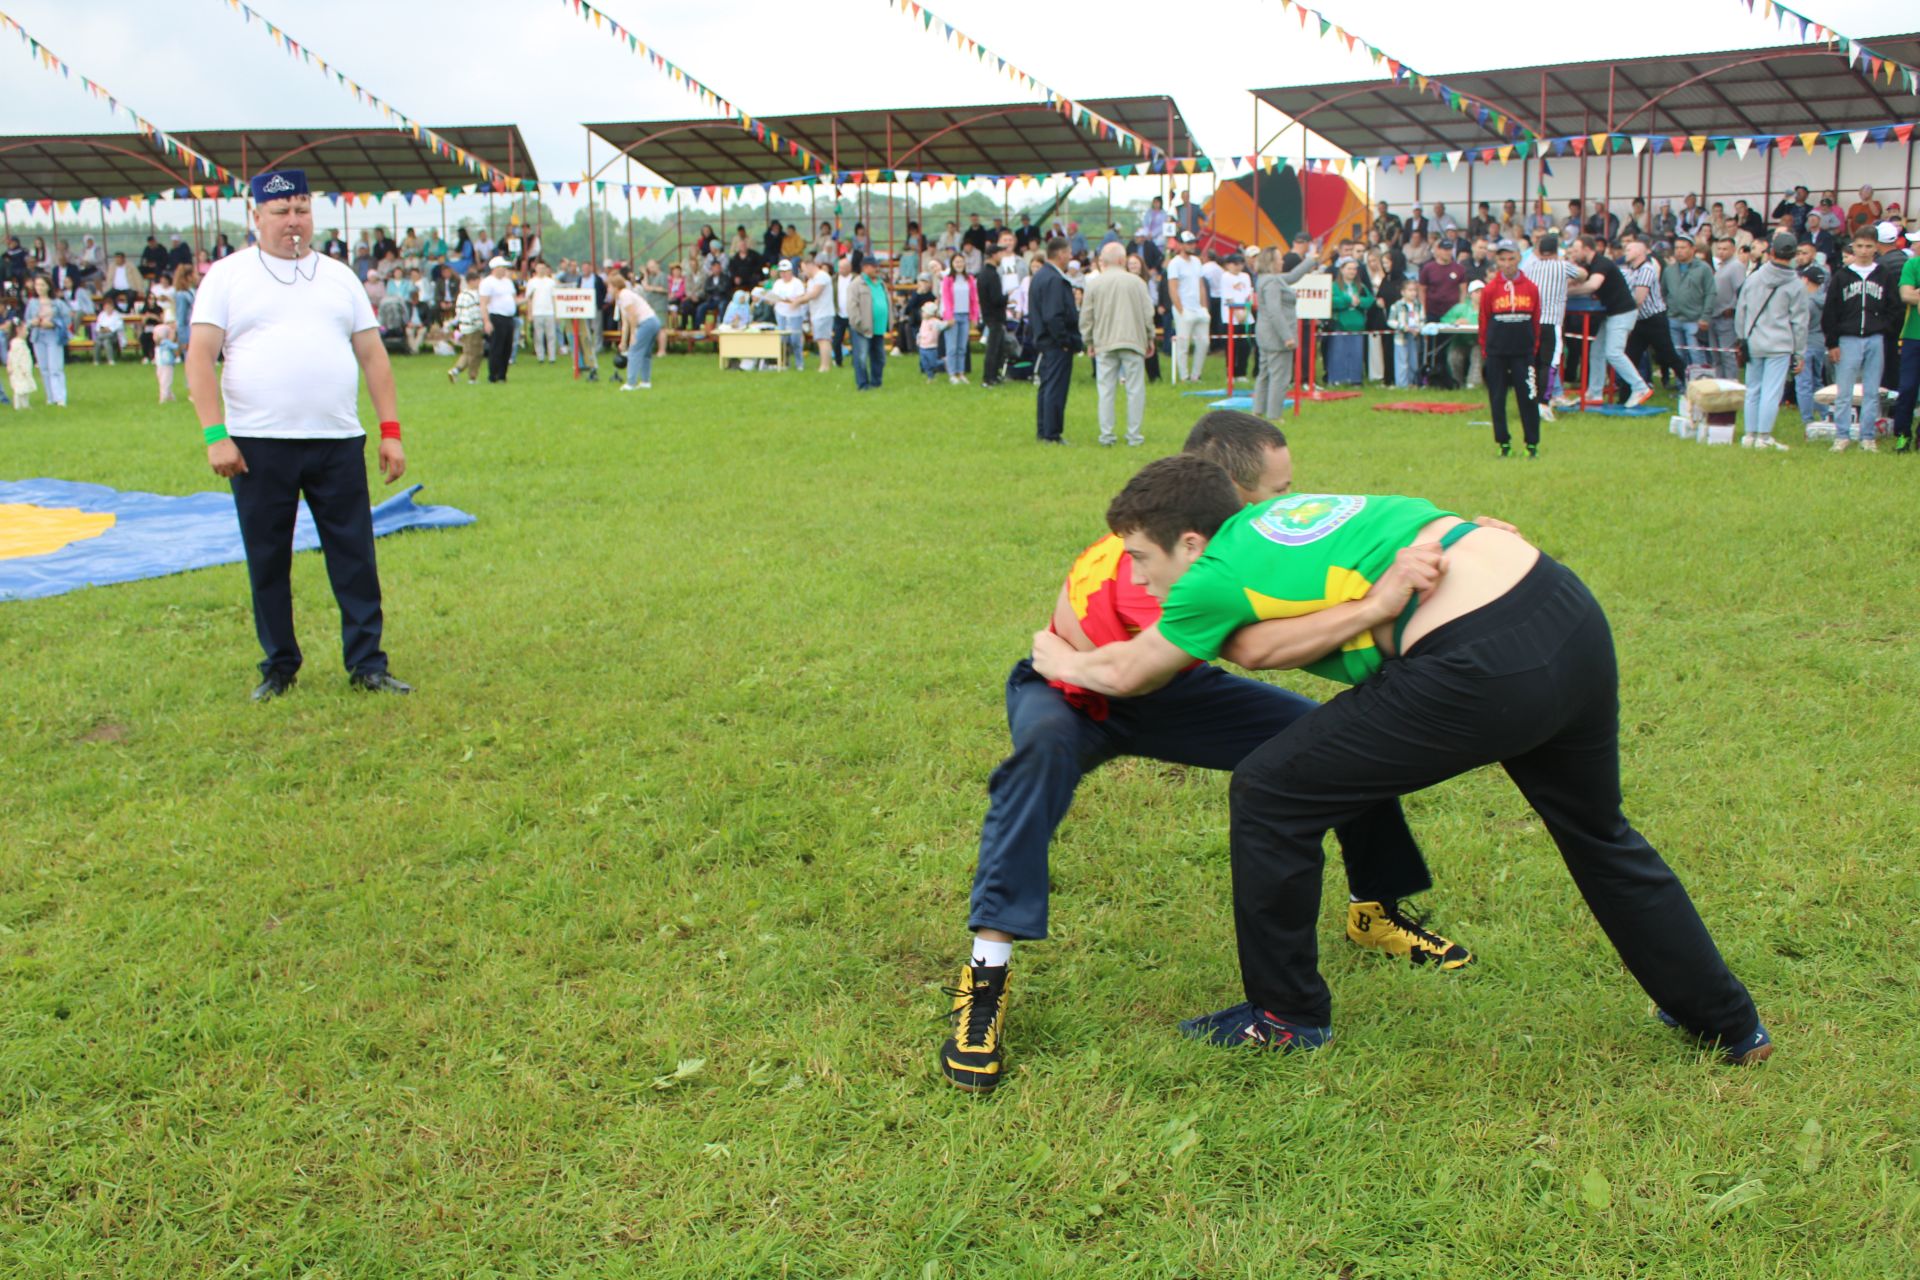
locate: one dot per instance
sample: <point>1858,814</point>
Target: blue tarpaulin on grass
<point>96,535</point>
<point>1632,411</point>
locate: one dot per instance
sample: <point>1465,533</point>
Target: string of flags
<point>1081,115</point>
<point>1609,144</point>
<point>238,190</point>
<point>168,144</point>
<point>621,35</point>
<point>645,191</point>
<point>1465,104</point>
<point>1602,145</point>
<point>1877,66</point>
<point>501,180</point>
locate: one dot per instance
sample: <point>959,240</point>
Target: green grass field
<point>615,951</point>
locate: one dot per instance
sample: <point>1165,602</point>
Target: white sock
<point>991,955</point>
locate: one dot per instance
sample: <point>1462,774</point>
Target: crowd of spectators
<point>1656,290</point>
<point>63,302</point>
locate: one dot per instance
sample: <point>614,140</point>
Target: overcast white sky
<point>194,64</point>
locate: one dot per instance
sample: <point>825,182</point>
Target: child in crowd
<point>677,308</point>
<point>166,354</point>
<point>931,362</point>
<point>20,371</point>
<point>1404,318</point>
<point>109,331</point>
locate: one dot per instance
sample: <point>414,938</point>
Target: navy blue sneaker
<point>1757,1047</point>
<point>1248,1024</point>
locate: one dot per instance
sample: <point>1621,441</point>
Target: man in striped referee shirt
<point>1551,274</point>
<point>1650,330</point>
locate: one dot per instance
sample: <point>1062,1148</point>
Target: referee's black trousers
<point>332,474</point>
<point>500,347</point>
<point>1515,372</point>
<point>1527,682</point>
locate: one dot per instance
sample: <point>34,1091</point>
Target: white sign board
<point>1314,296</point>
<point>573,304</point>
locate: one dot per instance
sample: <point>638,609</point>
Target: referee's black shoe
<point>276,683</point>
<point>377,682</point>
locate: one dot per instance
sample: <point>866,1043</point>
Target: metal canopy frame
<point>350,158</point>
<point>1784,89</point>
<point>366,158</point>
<point>1021,137</point>
<point>78,166</point>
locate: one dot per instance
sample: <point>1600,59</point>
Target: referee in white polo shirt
<point>500,301</point>
<point>282,421</point>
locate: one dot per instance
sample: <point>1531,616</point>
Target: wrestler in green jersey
<point>1294,555</point>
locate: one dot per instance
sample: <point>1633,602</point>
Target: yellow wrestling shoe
<point>970,1059</point>
<point>1383,926</point>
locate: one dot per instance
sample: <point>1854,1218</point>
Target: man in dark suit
<point>1056,327</point>
<point>993,311</point>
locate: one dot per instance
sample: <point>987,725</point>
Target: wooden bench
<point>691,339</point>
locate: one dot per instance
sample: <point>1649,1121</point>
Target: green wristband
<point>216,433</point>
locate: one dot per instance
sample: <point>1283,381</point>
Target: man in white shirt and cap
<point>790,313</point>
<point>499,316</point>
<point>281,422</point>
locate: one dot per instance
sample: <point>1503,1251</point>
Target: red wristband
<point>389,431</point>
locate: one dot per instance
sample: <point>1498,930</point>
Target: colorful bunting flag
<point>439,145</point>
<point>1083,117</point>
<point>639,48</point>
<point>169,145</point>
<point>1877,64</point>
<point>1403,74</point>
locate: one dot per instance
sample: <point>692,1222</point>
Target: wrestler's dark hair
<point>1238,442</point>
<point>1181,494</point>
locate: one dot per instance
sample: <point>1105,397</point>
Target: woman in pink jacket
<point>960,306</point>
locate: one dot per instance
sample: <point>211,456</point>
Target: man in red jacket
<point>1509,336</point>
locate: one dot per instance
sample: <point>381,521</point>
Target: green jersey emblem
<point>1300,518</point>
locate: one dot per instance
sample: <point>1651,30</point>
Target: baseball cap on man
<point>494,264</point>
<point>278,184</point>
<point>1784,243</point>
<point>1889,232</point>
<point>1814,273</point>
<point>1186,237</point>
<point>786,264</point>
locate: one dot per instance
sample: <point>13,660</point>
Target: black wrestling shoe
<point>276,683</point>
<point>377,682</point>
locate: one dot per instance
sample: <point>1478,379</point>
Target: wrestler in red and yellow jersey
<point>1100,604</point>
